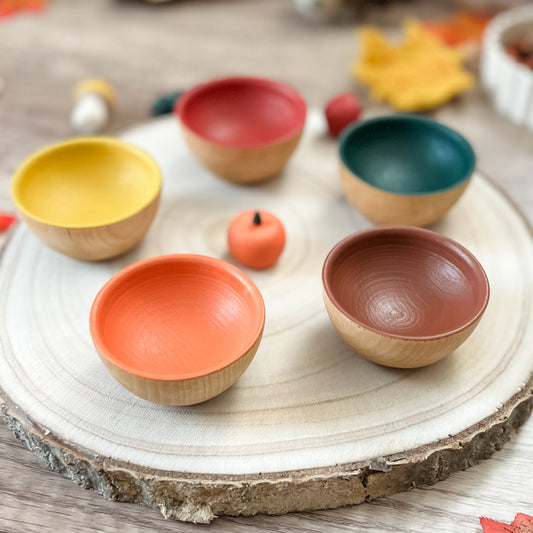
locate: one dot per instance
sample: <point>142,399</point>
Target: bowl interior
<point>407,154</point>
<point>86,182</point>
<point>177,317</point>
<point>406,282</point>
<point>243,112</point>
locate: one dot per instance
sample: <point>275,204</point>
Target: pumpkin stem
<point>257,219</point>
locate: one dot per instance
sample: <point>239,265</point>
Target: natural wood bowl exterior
<point>390,351</point>
<point>241,165</point>
<point>182,392</point>
<point>384,207</point>
<point>97,243</point>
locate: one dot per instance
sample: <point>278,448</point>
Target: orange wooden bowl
<point>178,329</point>
<point>242,129</point>
<point>403,297</point>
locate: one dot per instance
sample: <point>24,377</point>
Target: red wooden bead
<point>341,111</point>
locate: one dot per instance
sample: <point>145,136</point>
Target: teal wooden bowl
<point>404,169</point>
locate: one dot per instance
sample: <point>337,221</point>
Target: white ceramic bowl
<point>509,83</point>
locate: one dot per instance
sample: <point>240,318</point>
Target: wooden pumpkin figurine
<point>256,239</point>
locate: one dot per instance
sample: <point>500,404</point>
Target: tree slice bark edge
<point>200,499</point>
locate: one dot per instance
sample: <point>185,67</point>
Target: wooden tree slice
<point>310,424</point>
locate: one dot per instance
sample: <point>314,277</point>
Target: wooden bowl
<point>403,297</point>
<point>178,329</point>
<point>404,169</point>
<point>242,129</point>
<point>88,198</point>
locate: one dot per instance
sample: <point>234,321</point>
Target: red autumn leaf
<point>6,220</point>
<point>11,7</point>
<point>461,28</point>
<point>522,523</point>
<point>443,31</point>
<point>491,526</point>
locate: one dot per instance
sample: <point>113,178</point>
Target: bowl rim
<point>515,17</point>
<point>407,117</point>
<point>292,94</point>
<point>25,166</point>
<point>109,286</point>
<point>423,233</point>
<point>495,34</point>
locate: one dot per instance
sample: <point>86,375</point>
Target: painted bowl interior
<point>243,112</point>
<point>86,182</point>
<point>177,317</point>
<point>406,282</point>
<point>407,154</point>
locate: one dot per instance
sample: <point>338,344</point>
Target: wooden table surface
<point>145,51</point>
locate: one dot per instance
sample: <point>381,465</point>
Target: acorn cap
<point>98,86</point>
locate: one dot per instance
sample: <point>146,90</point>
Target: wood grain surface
<point>146,51</point>
<point>384,207</point>
<point>98,243</point>
<point>238,165</point>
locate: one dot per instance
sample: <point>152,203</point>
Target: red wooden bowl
<point>242,129</point>
<point>403,296</point>
<point>178,329</point>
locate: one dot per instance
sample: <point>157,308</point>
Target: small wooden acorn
<point>256,239</point>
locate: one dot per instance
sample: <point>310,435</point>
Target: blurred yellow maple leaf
<point>416,75</point>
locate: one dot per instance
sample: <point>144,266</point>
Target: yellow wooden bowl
<point>89,198</point>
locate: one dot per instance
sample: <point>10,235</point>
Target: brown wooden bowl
<point>403,297</point>
<point>242,129</point>
<point>90,198</point>
<point>404,169</point>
